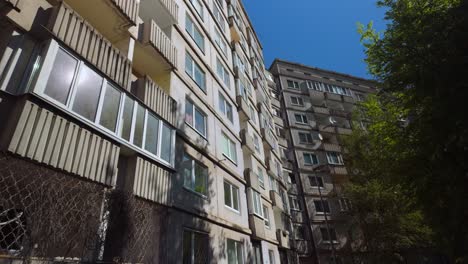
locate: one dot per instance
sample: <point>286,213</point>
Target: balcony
<point>112,18</point>
<point>333,97</point>
<point>344,130</point>
<point>261,97</point>
<point>268,139</point>
<point>80,36</point>
<point>321,110</point>
<point>156,99</point>
<point>151,181</point>
<point>340,113</point>
<point>154,53</point>
<point>277,201</point>
<point>349,99</point>
<point>271,166</point>
<point>331,147</point>
<point>275,102</point>
<point>247,141</point>
<point>327,129</point>
<point>283,238</point>
<point>257,225</point>
<point>278,121</point>
<point>165,12</point>
<point>234,29</point>
<point>48,138</point>
<point>243,109</point>
<point>252,179</point>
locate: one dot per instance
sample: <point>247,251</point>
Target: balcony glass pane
<point>152,134</point>
<point>110,108</point>
<point>127,117</point>
<point>61,77</point>
<point>166,142</point>
<point>139,125</point>
<point>87,93</point>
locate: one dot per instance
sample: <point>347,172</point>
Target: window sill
<point>198,132</point>
<point>228,158</point>
<point>232,209</point>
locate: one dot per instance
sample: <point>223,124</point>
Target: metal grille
<point>51,215</point>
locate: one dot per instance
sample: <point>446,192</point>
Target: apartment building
<point>317,106</point>
<point>138,132</point>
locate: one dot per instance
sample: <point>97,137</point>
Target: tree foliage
<point>412,158</point>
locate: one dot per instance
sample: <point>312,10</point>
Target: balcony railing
<point>247,141</point>
<point>276,199</point>
<point>171,7</point>
<point>242,108</point>
<point>151,182</point>
<point>53,140</point>
<point>129,8</point>
<point>154,35</point>
<point>252,179</point>
<point>80,36</point>
<point>283,238</point>
<point>157,99</point>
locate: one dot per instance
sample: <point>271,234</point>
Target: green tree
<point>416,142</point>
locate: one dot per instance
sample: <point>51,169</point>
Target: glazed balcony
<point>283,238</point>
<point>155,54</point>
<point>277,201</point>
<point>321,110</point>
<point>156,99</point>
<point>112,18</point>
<point>247,141</point>
<point>68,26</point>
<point>257,225</point>
<point>268,139</point>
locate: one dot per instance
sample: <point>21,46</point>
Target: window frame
<point>300,101</point>
<point>257,205</point>
<point>266,217</point>
<point>307,135</point>
<point>200,12</point>
<point>304,119</point>
<point>237,244</point>
<point>232,148</point>
<point>192,243</point>
<point>332,233</point>
<point>194,125</point>
<point>338,157</point>
<point>295,84</point>
<point>192,32</point>
<point>319,184</point>
<point>193,176</point>
<point>223,101</point>
<point>311,158</point>
<point>325,207</point>
<point>294,200</point>
<point>223,73</point>
<point>231,188</point>
<point>194,65</point>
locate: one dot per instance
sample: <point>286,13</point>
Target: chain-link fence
<point>49,215</point>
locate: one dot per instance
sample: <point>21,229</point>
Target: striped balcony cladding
<point>152,182</point>
<point>51,139</point>
<point>129,8</point>
<point>80,36</point>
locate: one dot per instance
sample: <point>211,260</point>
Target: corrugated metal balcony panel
<point>152,182</point>
<point>80,36</point>
<point>53,140</point>
<point>129,8</point>
<point>154,35</point>
<point>157,99</point>
<point>172,7</point>
<point>331,147</point>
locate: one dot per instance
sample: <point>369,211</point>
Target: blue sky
<point>320,33</point>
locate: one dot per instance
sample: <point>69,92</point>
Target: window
<point>253,113</point>
<point>326,236</point>
<point>310,159</point>
<point>60,79</point>
<point>231,196</point>
<point>322,206</point>
<point>293,84</point>
<point>297,101</point>
<point>305,138</point>
<point>218,17</point>
<point>271,255</point>
<point>235,253</point>
<point>225,107</point>
<point>266,217</point>
<point>334,158</point>
<point>316,181</point>
<point>110,108</point>
<point>300,118</point>
<point>345,204</point>
<point>256,141</point>
<point>261,180</point>
<point>257,252</point>
<point>229,148</point>
<point>294,202</point>
<point>195,117</point>
<point>257,203</point>
<point>272,183</point>
<point>299,232</point>
<point>87,89</point>
<point>220,42</point>
<point>197,4</point>
<point>222,72</point>
<point>195,175</point>
<point>194,32</point>
<point>195,72</point>
<point>195,247</point>
<point>97,101</point>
